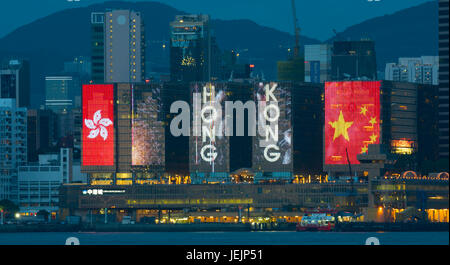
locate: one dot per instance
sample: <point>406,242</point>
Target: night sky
<point>317,18</point>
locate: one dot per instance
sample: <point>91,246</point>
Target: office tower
<point>177,148</point>
<point>353,60</point>
<point>60,92</point>
<point>118,47</point>
<point>15,81</point>
<point>318,63</point>
<point>307,111</point>
<point>194,55</point>
<point>13,146</point>
<point>443,78</point>
<point>421,70</point>
<point>41,130</point>
<point>427,125</point>
<point>97,47</point>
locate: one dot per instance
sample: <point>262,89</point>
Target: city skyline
<point>144,126</point>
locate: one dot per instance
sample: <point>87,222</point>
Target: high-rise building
<point>443,79</point>
<point>177,148</point>
<point>307,112</point>
<point>60,92</point>
<point>42,134</point>
<point>15,81</point>
<point>98,47</point>
<point>118,47</point>
<point>353,60</point>
<point>194,55</point>
<point>13,146</point>
<point>421,70</point>
<point>318,63</point>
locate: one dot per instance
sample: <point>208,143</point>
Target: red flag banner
<point>98,127</point>
<point>352,119</point>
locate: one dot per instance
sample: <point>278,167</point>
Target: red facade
<point>98,125</point>
<point>352,119</point>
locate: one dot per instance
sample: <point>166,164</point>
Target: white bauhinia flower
<point>98,126</point>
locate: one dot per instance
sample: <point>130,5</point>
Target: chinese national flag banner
<point>352,119</point>
<point>98,128</point>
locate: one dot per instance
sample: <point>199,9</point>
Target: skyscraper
<point>353,60</point>
<point>15,81</point>
<point>443,78</point>
<point>193,50</point>
<point>118,42</point>
<point>60,91</point>
<point>97,47</point>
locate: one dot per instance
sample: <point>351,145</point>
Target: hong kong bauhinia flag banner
<point>352,119</point>
<point>98,127</point>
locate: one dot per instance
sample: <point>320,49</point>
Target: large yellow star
<point>340,127</point>
<point>363,110</point>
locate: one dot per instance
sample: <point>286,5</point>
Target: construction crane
<point>296,31</point>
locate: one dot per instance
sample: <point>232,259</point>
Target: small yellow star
<point>340,127</point>
<point>363,110</point>
<point>373,121</point>
<point>364,149</point>
<point>373,138</point>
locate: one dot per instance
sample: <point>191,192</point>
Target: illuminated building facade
<point>209,146</point>
<point>272,145</point>
<point>194,55</point>
<point>118,121</point>
<point>401,116</point>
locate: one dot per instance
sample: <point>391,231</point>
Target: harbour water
<point>225,238</point>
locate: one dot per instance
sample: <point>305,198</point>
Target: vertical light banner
<point>208,145</point>
<point>98,125</point>
<point>147,131</point>
<point>272,145</point>
<point>352,119</point>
